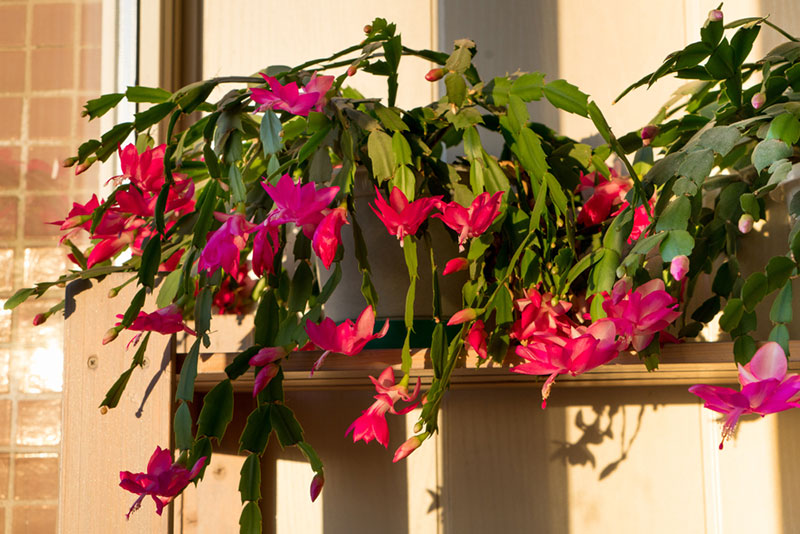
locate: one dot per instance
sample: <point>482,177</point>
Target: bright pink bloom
<point>476,338</point>
<point>463,316</point>
<point>265,245</point>
<point>168,320</point>
<point>580,351</point>
<point>163,480</point>
<point>225,244</point>
<point>266,358</point>
<point>301,204</point>
<point>112,244</point>
<point>290,98</point>
<point>765,389</point>
<point>372,422</point>
<point>679,267</point>
<point>400,216</point>
<point>79,217</point>
<point>641,314</point>
<point>540,316</point>
<point>408,446</point>
<point>474,220</point>
<point>316,486</point>
<point>346,338</point>
<point>605,194</point>
<point>328,235</point>
<point>145,170</point>
<point>455,265</point>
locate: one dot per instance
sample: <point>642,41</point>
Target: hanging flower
<point>225,244</point>
<point>642,313</point>
<point>265,245</point>
<point>474,220</point>
<point>328,235</point>
<point>290,98</point>
<point>346,338</point>
<point>301,204</point>
<point>266,358</point>
<point>400,216</point>
<point>476,338</point>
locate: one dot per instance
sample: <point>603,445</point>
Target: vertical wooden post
<point>96,447</point>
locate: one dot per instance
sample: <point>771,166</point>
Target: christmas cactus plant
<point>571,253</point>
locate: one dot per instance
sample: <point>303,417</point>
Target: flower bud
<point>407,448</point>
<point>418,427</point>
<point>758,100</point>
<point>715,15</point>
<point>435,74</point>
<point>83,167</point>
<point>679,267</point>
<point>463,316</point>
<point>69,162</point>
<point>745,223</point>
<point>367,29</point>
<point>455,265</point>
<point>351,70</point>
<point>648,133</point>
<point>110,335</point>
<point>39,319</point>
<point>316,486</point>
<point>113,292</point>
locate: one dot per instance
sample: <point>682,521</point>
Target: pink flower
<point>640,314</point>
<point>455,265</point>
<point>145,170</point>
<point>474,220</point>
<point>328,235</point>
<point>476,338</point>
<point>79,217</point>
<point>290,98</point>
<point>225,244</point>
<point>265,245</point>
<point>301,204</point>
<point>163,480</point>
<point>463,316</point>
<point>400,216</point>
<point>605,194</point>
<point>679,267</point>
<point>580,351</point>
<point>540,316</point>
<point>266,358</point>
<point>346,338</point>
<point>168,320</point>
<point>408,446</point>
<point>372,422</point>
<point>765,389</point>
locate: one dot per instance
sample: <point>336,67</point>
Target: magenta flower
<point>540,316</point>
<point>328,235</point>
<point>290,98</point>
<point>641,314</point>
<point>265,245</point>
<point>765,389</point>
<point>678,267</point>
<point>168,320</point>
<point>476,338</point>
<point>346,338</point>
<point>163,480</point>
<point>145,170</point>
<point>605,194</point>
<point>301,204</point>
<point>225,244</point>
<point>79,218</point>
<point>400,216</point>
<point>266,358</point>
<point>455,265</point>
<point>580,351</point>
<point>474,220</point>
<point>372,422</point>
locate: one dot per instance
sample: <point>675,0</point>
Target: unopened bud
<point>745,223</point>
<point>463,316</point>
<point>418,427</point>
<point>435,75</point>
<point>110,336</point>
<point>715,15</point>
<point>351,70</point>
<point>407,448</point>
<point>113,292</point>
<point>69,162</point>
<point>455,265</point>
<point>39,319</point>
<point>679,267</point>
<point>367,29</point>
<point>103,410</point>
<point>648,133</point>
<point>758,100</point>
<point>316,486</point>
<point>83,167</point>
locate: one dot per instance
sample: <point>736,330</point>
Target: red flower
<point>474,220</point>
<point>400,216</point>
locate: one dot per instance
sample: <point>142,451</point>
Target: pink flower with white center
<point>678,267</point>
<point>765,389</point>
<point>346,338</point>
<point>163,480</point>
<point>605,194</point>
<point>225,244</point>
<point>328,235</point>
<point>268,359</point>
<point>290,98</point>
<point>399,216</point>
<point>265,245</point>
<point>304,205</point>
<point>474,220</point>
<point>640,314</point>
<point>372,422</point>
<point>581,350</point>
<point>539,315</point>
<point>476,338</point>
